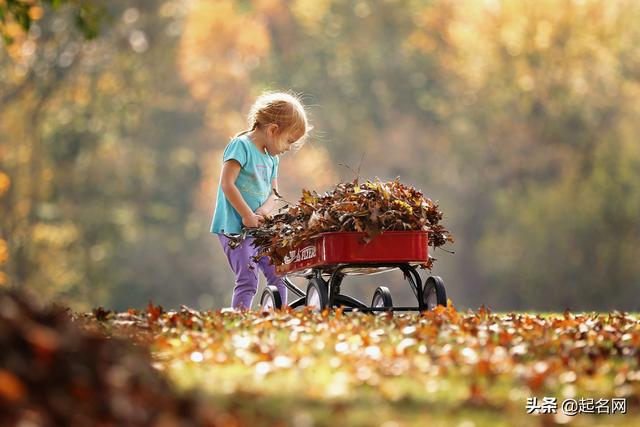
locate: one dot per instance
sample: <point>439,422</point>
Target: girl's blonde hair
<point>281,108</point>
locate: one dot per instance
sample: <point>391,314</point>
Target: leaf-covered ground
<point>438,368</point>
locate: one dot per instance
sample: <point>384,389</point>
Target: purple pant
<point>246,272</point>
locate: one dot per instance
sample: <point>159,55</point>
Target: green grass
<point>443,368</point>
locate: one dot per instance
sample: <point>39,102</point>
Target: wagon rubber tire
<point>382,298</point>
<point>317,295</point>
<point>434,293</point>
<point>271,299</point>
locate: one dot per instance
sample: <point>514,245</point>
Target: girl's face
<point>280,142</point>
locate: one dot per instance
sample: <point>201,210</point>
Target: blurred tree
<point>544,98</point>
<point>97,210</point>
<point>520,117</point>
<point>16,16</point>
<point>223,49</point>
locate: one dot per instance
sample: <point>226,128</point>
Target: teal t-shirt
<point>257,172</point>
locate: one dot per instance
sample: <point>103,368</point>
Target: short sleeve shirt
<point>257,171</point>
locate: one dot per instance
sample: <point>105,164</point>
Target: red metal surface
<point>349,247</point>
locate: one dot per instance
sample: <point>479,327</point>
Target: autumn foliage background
<point>520,117</point>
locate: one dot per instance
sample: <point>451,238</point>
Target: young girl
<point>278,122</point>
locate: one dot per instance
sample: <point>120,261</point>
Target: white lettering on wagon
<point>300,254</point>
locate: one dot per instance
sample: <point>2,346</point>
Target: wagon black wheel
<point>382,298</point>
<point>271,299</point>
<point>317,294</point>
<point>434,293</point>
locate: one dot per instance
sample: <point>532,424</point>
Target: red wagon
<point>326,259</point>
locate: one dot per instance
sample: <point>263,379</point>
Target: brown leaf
<point>11,388</point>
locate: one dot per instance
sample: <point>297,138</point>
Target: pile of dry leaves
<point>371,207</point>
<point>53,372</point>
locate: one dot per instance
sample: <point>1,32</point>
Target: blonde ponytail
<point>244,132</point>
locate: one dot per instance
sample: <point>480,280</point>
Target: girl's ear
<point>272,129</point>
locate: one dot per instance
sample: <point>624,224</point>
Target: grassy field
<point>437,368</point>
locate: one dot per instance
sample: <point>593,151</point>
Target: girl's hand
<point>252,221</point>
<point>261,212</point>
